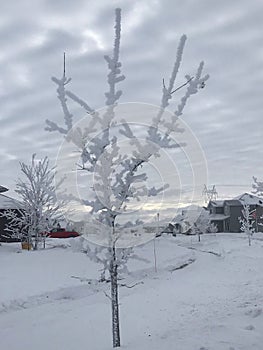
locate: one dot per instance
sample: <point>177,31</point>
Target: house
<point>5,203</point>
<point>171,229</point>
<point>225,213</point>
<point>183,222</point>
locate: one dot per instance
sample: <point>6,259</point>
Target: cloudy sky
<point>226,116</point>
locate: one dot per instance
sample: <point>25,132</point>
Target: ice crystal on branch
<point>257,186</point>
<point>247,222</point>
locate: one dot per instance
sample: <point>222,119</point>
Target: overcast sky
<point>226,116</point>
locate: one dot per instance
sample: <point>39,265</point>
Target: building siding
<point>233,210</point>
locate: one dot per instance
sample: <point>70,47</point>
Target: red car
<point>62,233</point>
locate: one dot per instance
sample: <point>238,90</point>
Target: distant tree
<point>247,222</point>
<point>257,186</point>
<point>37,208</point>
<point>117,177</point>
<point>258,189</point>
<point>212,228</point>
<point>203,225</point>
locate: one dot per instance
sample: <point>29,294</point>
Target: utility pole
<point>154,243</point>
<point>210,194</point>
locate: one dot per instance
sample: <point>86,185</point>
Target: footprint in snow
<point>250,327</point>
<point>254,312</point>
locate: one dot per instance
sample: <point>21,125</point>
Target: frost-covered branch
<point>193,86</point>
<point>68,117</point>
<point>79,101</point>
<point>37,209</point>
<point>257,186</point>
<point>114,76</point>
<point>17,223</point>
<point>102,255</point>
<point>119,178</point>
<point>192,83</point>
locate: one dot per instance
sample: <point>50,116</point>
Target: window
<point>219,210</point>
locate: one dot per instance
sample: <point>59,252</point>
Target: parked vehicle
<point>61,233</point>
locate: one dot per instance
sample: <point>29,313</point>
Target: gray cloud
<point>225,116</point>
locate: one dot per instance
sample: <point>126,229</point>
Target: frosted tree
<point>203,225</point>
<point>212,228</point>
<point>257,186</point>
<point>37,208</point>
<point>117,177</point>
<point>247,222</point>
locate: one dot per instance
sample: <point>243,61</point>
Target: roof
<point>217,203</point>
<point>7,202</point>
<point>233,202</point>
<point>250,199</point>
<point>246,198</point>
<point>218,217</point>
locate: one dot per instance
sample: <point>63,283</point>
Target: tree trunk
<point>115,301</point>
<point>36,240</point>
<point>28,239</point>
<point>199,238</point>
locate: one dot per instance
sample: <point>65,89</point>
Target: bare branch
<point>107,296</point>
<point>181,86</point>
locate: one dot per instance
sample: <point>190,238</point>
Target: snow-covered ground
<point>51,299</point>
